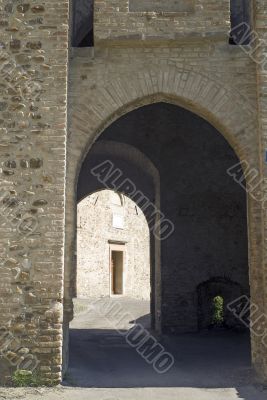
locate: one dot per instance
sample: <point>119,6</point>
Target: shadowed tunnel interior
<point>205,257</point>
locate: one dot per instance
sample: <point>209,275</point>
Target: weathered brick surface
<point>95,233</point>
<point>191,18</point>
<point>260,276</point>
<point>140,58</point>
<point>33,85</point>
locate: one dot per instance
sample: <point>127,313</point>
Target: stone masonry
<point>96,232</point>
<point>34,64</point>
<point>55,103</point>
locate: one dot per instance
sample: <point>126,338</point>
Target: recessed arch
<point>227,110</point>
<point>139,160</point>
<point>218,286</point>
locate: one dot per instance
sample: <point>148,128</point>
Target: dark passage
<point>204,259</point>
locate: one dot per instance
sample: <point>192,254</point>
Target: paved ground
<point>100,356</point>
<point>244,393</point>
<point>210,366</point>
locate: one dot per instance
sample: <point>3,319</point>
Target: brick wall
<point>33,85</point>
<point>96,232</point>
<point>194,18</point>
<point>184,58</point>
<point>260,59</point>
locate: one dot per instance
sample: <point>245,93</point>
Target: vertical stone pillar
<point>33,86</point>
<point>259,54</point>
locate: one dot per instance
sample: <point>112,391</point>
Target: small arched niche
<point>213,296</point>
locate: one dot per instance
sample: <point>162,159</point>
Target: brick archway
<point>227,110</point>
<point>106,100</point>
<point>113,152</point>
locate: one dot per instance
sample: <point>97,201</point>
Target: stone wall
<point>184,59</point>
<point>33,87</point>
<point>205,18</point>
<point>260,59</point>
<point>95,234</point>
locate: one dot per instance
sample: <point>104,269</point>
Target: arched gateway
<point>169,64</point>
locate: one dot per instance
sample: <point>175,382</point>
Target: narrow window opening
<point>83,18</point>
<point>240,33</point>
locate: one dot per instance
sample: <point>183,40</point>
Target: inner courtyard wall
<point>96,232</point>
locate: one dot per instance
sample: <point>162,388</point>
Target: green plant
<point>22,378</point>
<point>218,315</point>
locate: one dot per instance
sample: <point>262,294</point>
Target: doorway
<point>116,269</point>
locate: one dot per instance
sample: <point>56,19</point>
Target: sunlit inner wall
<point>109,224</point>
